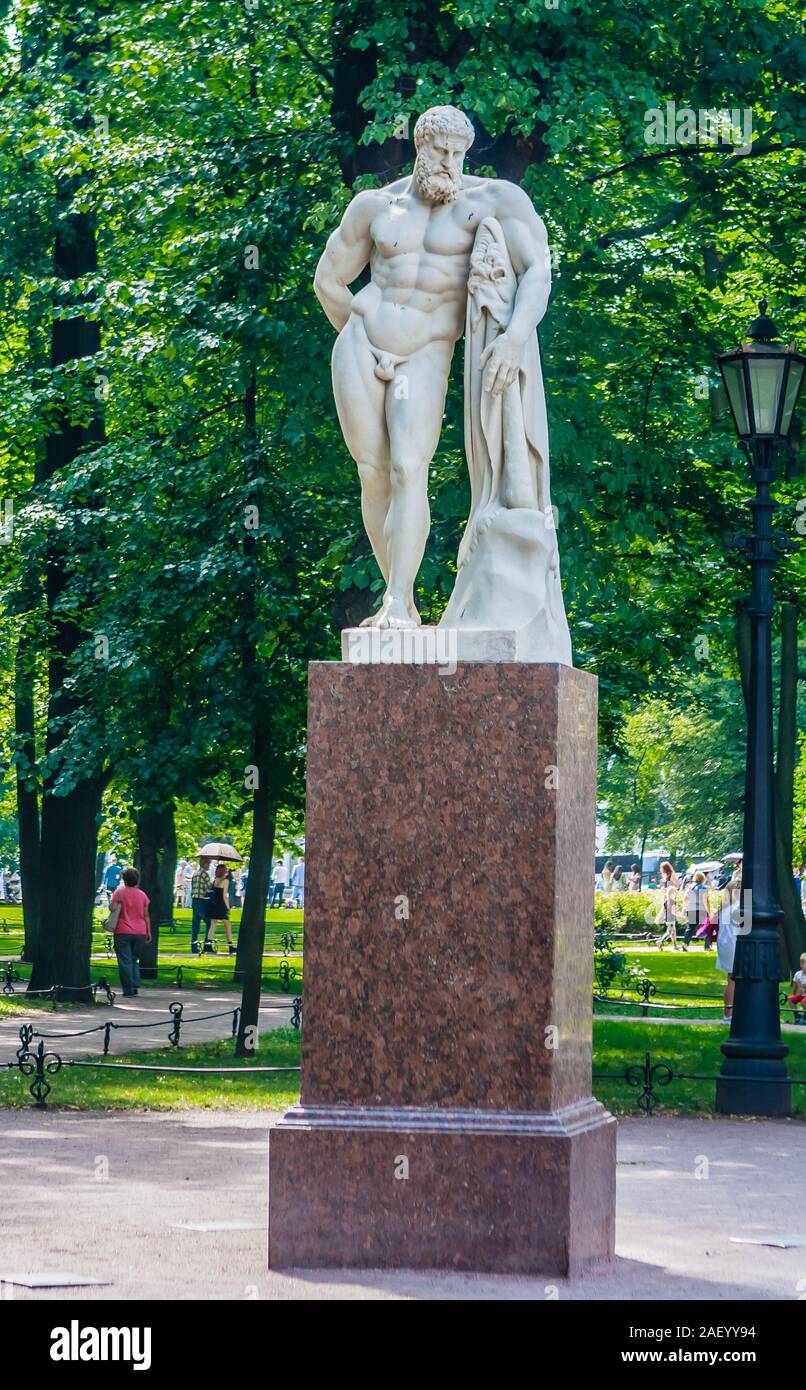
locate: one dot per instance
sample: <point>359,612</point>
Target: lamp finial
<point>762,329</point>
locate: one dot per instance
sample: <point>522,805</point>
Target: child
<point>798,995</point>
<point>667,912</point>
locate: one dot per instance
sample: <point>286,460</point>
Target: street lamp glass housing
<point>763,379</point>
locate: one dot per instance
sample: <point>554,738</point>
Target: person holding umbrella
<point>216,907</point>
<point>695,907</point>
<point>219,908</point>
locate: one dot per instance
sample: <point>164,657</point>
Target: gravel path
<point>150,1011</point>
<point>111,1195</point>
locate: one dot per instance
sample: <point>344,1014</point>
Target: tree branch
<point>321,69</point>
<point>684,151</point>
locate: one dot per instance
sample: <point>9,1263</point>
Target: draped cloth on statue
<point>508,562</point>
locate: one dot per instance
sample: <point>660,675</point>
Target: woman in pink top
<point>132,929</point>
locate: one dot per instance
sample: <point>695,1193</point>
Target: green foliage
<point>799,826</point>
<point>89,1088</point>
<point>624,912</point>
<point>686,1047</point>
<point>676,779</point>
<point>202,132</point>
<point>612,967</point>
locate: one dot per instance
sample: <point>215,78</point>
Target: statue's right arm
<point>345,256</point>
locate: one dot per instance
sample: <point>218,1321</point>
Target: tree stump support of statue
<point>446,1118</point>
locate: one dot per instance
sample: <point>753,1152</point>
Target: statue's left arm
<point>527,244</point>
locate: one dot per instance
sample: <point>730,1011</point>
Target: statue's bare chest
<point>404,230</point>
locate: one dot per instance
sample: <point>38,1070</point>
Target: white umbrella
<point>733,858</point>
<point>218,850</point>
<point>709,867</point>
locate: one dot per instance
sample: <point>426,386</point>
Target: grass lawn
<point>197,972</point>
<point>685,1048</point>
<point>96,1088</point>
<point>278,922</point>
<point>678,975</point>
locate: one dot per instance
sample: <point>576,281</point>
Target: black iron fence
<point>175,1022</point>
<point>650,1076</point>
<point>56,993</point>
<point>40,1062</point>
<point>39,1065</point>
<point>648,996</point>
<point>287,974</point>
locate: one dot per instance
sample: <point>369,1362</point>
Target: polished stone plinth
<point>446,1118</point>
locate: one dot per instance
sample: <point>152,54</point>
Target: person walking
<point>607,877</point>
<point>634,881</point>
<point>187,884</point>
<point>278,884</point>
<point>219,908</point>
<point>131,930</point>
<point>730,919</point>
<point>298,883</point>
<point>179,883</point>
<point>200,903</point>
<point>667,912</point>
<point>798,996</point>
<point>112,876</point>
<point>695,907</point>
<point>710,927</point>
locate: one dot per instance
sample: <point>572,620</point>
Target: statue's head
<point>442,137</point>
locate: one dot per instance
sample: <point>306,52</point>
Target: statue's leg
<point>415,402</point>
<point>359,398</point>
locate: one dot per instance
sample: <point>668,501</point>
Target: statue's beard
<point>432,183</point>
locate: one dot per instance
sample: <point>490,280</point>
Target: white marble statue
<point>444,246</point>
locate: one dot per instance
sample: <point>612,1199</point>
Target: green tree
<point>208,148</point>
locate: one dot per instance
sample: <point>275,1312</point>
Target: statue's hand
<point>502,361</point>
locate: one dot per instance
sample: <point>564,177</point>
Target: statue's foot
<point>393,612</point>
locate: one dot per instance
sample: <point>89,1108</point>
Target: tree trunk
<point>69,832</point>
<point>69,837</point>
<point>156,860</point>
<point>793,926</point>
<point>27,795</point>
<point>69,822</point>
<point>252,934</point>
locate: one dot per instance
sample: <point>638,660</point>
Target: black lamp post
<point>762,379</point>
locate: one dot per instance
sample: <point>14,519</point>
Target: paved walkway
<point>150,1010</point>
<point>101,1196</point>
<point>716,1021</point>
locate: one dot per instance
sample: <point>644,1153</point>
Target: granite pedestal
<point>446,1118</point>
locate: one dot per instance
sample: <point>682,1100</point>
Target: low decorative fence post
<point>176,1010</point>
<point>37,1064</point>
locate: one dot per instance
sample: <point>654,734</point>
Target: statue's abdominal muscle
<point>415,299</point>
